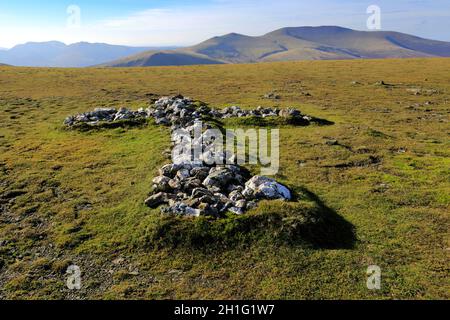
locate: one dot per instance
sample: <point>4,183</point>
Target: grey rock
<point>222,198</point>
<point>235,196</point>
<point>123,114</point>
<point>158,199</point>
<point>287,113</point>
<point>207,209</point>
<point>169,170</point>
<point>183,174</point>
<point>69,121</point>
<point>162,121</point>
<point>252,205</point>
<point>332,142</point>
<point>174,184</point>
<point>267,188</point>
<point>208,199</point>
<point>191,183</point>
<point>218,178</point>
<point>236,210</point>
<point>242,204</point>
<point>181,209</point>
<point>272,95</point>
<point>161,183</point>
<point>200,173</point>
<point>233,187</point>
<point>200,192</point>
<point>81,118</point>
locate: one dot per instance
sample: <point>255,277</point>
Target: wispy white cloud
<point>190,24</point>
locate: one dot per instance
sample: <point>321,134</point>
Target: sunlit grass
<point>78,195</point>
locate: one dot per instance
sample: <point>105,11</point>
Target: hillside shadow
<point>305,222</point>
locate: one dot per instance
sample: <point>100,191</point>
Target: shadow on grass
<point>305,222</point>
<point>273,122</point>
<point>332,231</point>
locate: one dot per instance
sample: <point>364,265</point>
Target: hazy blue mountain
<point>58,54</point>
<point>300,43</point>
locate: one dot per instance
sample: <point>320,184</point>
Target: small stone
<point>272,95</point>
<point>161,183</point>
<point>207,210</point>
<point>290,113</point>
<point>208,199</point>
<point>242,204</point>
<point>252,205</point>
<point>236,210</point>
<point>162,121</point>
<point>218,178</point>
<point>174,184</point>
<point>169,170</point>
<point>248,193</point>
<point>183,174</point>
<point>118,261</point>
<point>332,142</point>
<point>200,172</point>
<point>193,202</point>
<point>191,212</point>
<point>267,188</point>
<point>192,183</point>
<point>158,199</point>
<point>233,187</point>
<point>222,198</point>
<point>235,196</point>
<point>200,192</point>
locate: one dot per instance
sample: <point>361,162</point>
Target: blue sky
<point>175,22</point>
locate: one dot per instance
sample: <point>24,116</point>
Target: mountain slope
<point>164,58</point>
<point>301,43</point>
<point>236,48</point>
<point>363,44</point>
<point>57,54</point>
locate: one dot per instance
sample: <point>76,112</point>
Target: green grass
<point>379,196</point>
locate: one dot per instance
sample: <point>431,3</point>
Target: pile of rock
<point>183,111</point>
<point>195,189</point>
<point>191,187</point>
<point>178,111</point>
<point>105,115</point>
<point>236,111</point>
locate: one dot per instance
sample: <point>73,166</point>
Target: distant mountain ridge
<point>58,54</point>
<point>293,43</point>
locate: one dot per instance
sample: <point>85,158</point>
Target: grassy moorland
<point>379,194</point>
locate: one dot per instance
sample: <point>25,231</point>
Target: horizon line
<point>177,46</point>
